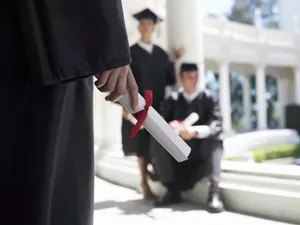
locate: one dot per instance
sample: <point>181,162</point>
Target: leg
<point>48,153</point>
<point>165,167</point>
<point>143,162</point>
<point>173,195</point>
<point>216,161</point>
<point>214,202</point>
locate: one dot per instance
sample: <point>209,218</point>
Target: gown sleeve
<point>67,40</point>
<point>214,118</point>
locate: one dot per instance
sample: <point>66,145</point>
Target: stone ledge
<point>247,191</point>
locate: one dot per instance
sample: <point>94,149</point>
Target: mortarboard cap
<point>147,14</point>
<point>188,67</point>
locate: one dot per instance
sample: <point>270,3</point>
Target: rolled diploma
<point>191,119</point>
<point>160,129</point>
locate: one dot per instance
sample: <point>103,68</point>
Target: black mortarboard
<point>147,14</point>
<point>188,67</point>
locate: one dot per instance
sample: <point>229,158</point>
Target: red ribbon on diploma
<point>142,115</point>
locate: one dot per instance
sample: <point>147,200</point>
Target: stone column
<point>282,85</point>
<point>297,85</point>
<point>261,97</point>
<point>184,19</point>
<point>107,124</point>
<point>247,102</point>
<point>225,101</point>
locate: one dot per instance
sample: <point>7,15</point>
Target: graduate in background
<point>153,71</point>
<point>203,137</point>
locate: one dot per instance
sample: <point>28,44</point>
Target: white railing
<point>247,43</point>
<point>248,33</point>
<point>242,144</point>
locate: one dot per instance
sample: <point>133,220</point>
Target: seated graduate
<point>203,138</point>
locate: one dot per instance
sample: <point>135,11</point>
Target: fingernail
<point>98,85</point>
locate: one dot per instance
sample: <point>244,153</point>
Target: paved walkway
<point>116,205</point>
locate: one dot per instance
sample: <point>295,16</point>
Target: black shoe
<point>169,199</point>
<point>214,201</point>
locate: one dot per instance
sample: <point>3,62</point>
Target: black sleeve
<point>168,109</point>
<point>213,114</point>
<point>71,39</point>
<point>171,77</point>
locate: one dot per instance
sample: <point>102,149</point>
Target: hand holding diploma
<point>187,131</point>
<point>203,131</point>
<point>179,126</point>
<point>121,86</point>
<point>117,82</point>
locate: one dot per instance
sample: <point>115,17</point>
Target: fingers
<point>103,79</point>
<point>116,82</point>
<point>111,81</point>
<point>119,89</point>
<point>132,91</point>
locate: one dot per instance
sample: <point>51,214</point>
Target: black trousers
<point>205,161</point>
<point>46,162</point>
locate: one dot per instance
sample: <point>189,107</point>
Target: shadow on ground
<point>141,206</point>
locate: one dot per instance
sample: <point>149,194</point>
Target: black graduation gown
<point>152,72</point>
<point>46,115</point>
<point>186,174</point>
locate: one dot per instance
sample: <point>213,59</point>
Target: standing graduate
<point>203,138</point>
<point>153,71</point>
<point>49,51</point>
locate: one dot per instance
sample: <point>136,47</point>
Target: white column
<point>225,102</point>
<point>107,123</point>
<point>247,102</point>
<point>297,85</point>
<point>296,24</point>
<point>261,97</point>
<point>184,20</point>
<point>282,85</point>
<point>257,18</point>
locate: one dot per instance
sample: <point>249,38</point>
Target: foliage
<point>278,152</point>
<point>243,12</point>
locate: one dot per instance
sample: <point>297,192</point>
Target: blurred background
<point>249,54</point>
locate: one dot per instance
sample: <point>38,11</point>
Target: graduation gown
<point>49,50</point>
<point>152,72</point>
<point>186,174</point>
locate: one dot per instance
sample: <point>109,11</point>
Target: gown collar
<point>147,47</point>
<point>189,97</point>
